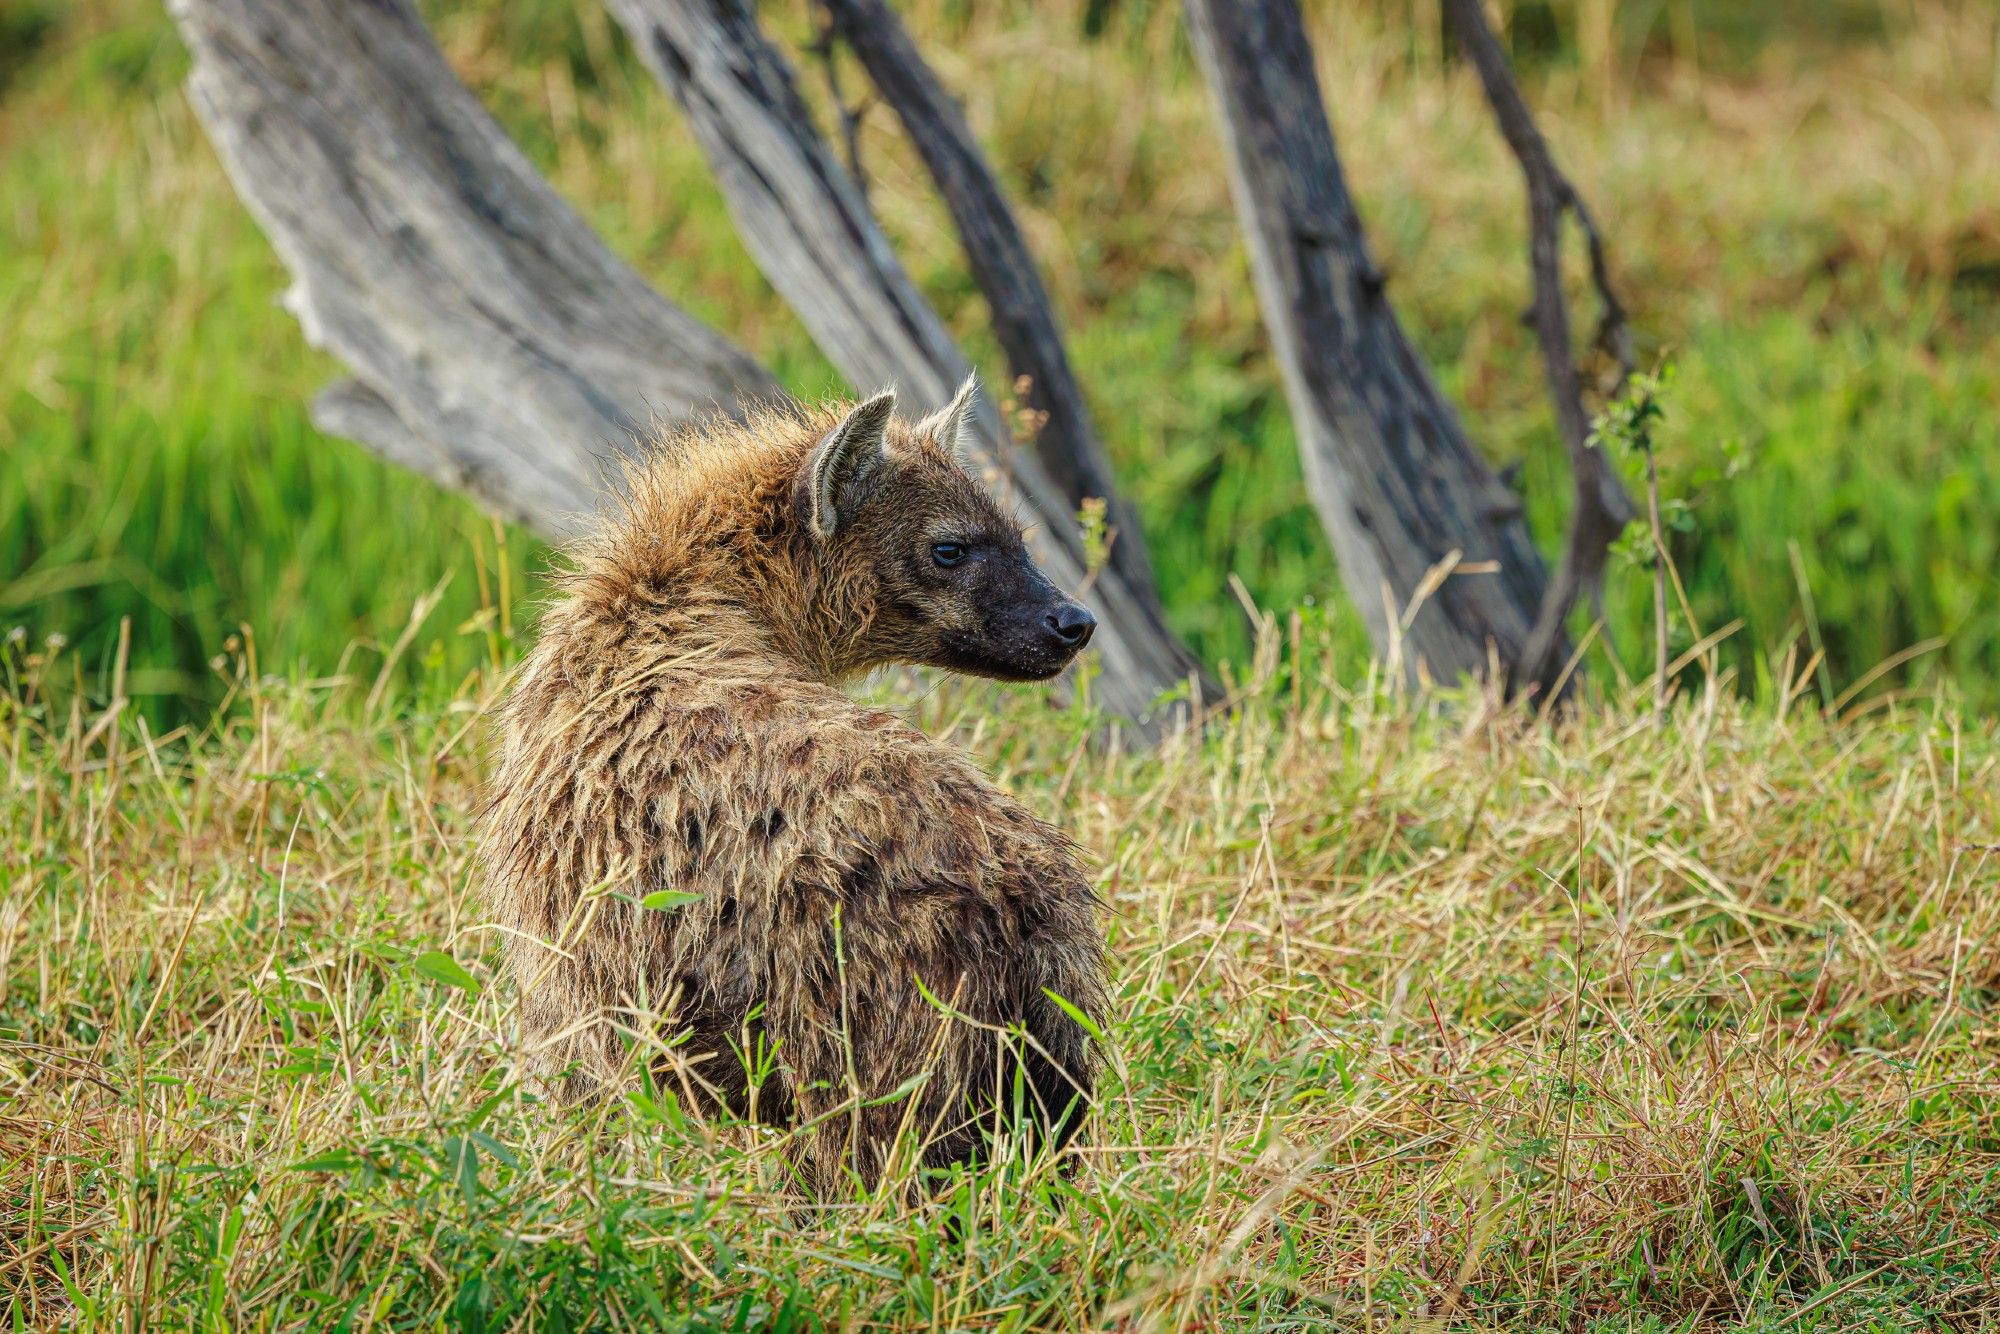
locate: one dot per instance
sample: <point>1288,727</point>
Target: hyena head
<point>898,525</point>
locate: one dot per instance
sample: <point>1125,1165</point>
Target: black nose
<point>1071,624</point>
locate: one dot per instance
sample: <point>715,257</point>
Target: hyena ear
<point>838,471</point>
<point>947,424</point>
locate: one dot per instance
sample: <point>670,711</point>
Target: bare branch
<point>807,226</point>
<point>1602,506</point>
<point>824,46</point>
<point>1403,495</point>
<point>1024,318</point>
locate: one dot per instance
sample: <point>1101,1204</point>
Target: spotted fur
<point>679,726</point>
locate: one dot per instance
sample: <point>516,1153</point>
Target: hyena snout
<point>1034,630</point>
<point>1071,625</point>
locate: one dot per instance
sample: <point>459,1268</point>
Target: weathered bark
<point>805,223</point>
<point>1602,507</point>
<point>499,346</point>
<point>826,46</point>
<point>1024,319</point>
<point>1398,486</point>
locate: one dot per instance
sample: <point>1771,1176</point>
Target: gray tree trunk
<point>807,226</point>
<point>498,346</point>
<point>1398,486</point>
<point>1024,319</point>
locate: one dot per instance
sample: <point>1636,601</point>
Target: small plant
<point>1628,423</point>
<point>1097,535</point>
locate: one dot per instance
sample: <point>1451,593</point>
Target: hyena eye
<point>948,554</point>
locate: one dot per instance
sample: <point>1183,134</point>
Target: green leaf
<point>1089,1024</point>
<point>665,1109</point>
<point>337,1160</point>
<point>307,1065</point>
<point>901,1091</point>
<point>495,1149</point>
<point>463,1158</point>
<point>441,967</point>
<point>76,1298</point>
<point>935,1003</point>
<point>667,900</point>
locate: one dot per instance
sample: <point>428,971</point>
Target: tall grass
<point>1802,211</point>
<point>1426,1017</point>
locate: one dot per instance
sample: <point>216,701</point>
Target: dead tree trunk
<point>810,231</point>
<point>1602,507</point>
<point>1398,486</point>
<point>1024,320</point>
<point>499,348</point>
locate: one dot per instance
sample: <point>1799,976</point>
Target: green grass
<point>1425,1017</point>
<point>1801,213</point>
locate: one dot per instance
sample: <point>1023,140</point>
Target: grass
<point>1799,198</point>
<point>1427,1017</point>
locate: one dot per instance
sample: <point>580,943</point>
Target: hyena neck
<point>707,566</point>
<point>713,632</point>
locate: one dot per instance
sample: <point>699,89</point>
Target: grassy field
<point>1801,199</point>
<point>1427,1017</point>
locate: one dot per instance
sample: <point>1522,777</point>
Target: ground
<point>1428,1015</point>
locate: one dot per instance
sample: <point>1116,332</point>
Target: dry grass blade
<point>1423,1009</point>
